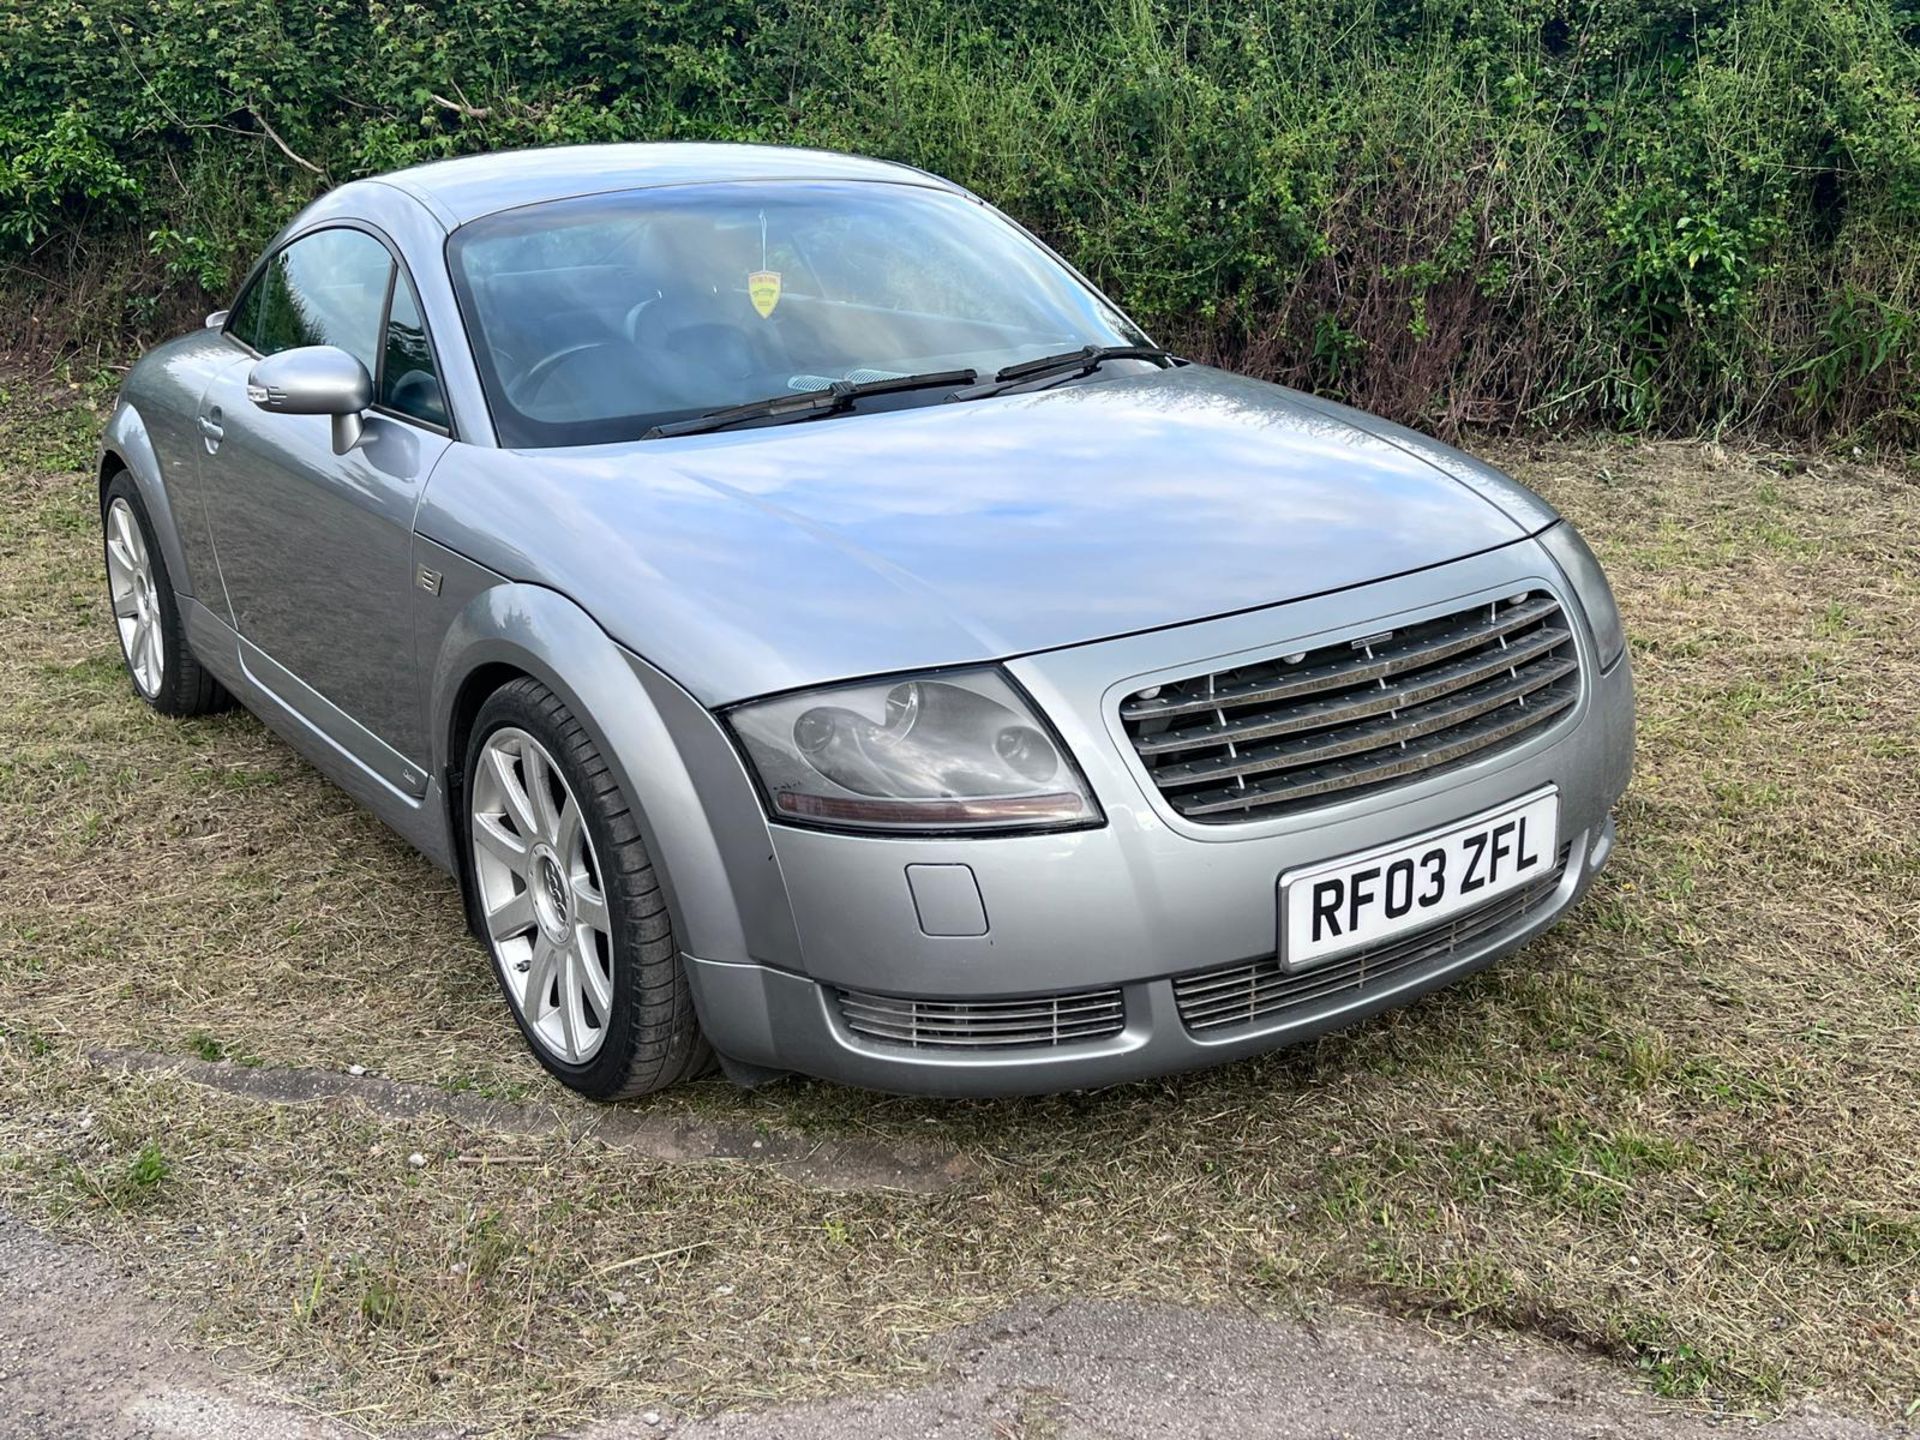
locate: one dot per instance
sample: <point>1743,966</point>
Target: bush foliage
<point>1667,215</point>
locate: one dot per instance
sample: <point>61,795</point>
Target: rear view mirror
<point>315,380</point>
<point>216,319</point>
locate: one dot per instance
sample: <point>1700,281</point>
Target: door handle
<point>210,431</point>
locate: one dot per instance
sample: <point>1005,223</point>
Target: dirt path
<point>82,1356</point>
<point>843,1164</point>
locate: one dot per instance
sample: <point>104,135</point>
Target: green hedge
<point>1667,215</point>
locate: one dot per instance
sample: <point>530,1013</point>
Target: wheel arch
<point>470,694</point>
<point>126,446</point>
<point>665,749</point>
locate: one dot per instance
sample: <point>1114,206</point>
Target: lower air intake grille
<point>1291,732</point>
<point>1263,991</point>
<point>1031,1020</point>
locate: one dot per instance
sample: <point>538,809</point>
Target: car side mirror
<point>216,318</point>
<point>315,380</point>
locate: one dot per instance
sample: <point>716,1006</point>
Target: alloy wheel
<point>541,895</point>
<point>136,599</point>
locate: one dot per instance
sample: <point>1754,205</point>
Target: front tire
<point>568,904</point>
<point>153,640</point>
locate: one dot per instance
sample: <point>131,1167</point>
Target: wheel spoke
<point>546,818</point>
<point>492,836</point>
<point>511,917</point>
<point>546,956</point>
<point>567,832</point>
<point>587,956</point>
<point>511,795</point>
<point>121,557</point>
<point>590,905</point>
<point>573,1019</point>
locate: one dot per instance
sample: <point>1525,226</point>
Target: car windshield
<point>595,319</point>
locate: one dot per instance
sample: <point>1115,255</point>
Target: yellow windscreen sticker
<point>763,288</point>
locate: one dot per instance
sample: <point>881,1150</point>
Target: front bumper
<point>1149,896</point>
<point>781,1020</point>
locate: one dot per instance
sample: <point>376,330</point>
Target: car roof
<point>475,185</point>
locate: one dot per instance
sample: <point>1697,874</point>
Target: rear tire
<point>567,902</point>
<point>146,614</point>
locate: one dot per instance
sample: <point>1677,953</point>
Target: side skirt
<point>379,777</point>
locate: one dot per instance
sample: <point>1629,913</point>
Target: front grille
<point>1283,734</point>
<point>1263,990</point>
<point>1032,1020</point>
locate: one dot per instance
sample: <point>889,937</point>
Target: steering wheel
<point>685,330</point>
<point>526,392</point>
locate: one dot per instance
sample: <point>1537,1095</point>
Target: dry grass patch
<point>432,1272</point>
<point>1684,1128</point>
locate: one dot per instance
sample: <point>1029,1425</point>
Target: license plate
<point>1360,900</point>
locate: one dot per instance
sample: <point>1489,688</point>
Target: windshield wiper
<point>838,396</point>
<point>1085,360</point>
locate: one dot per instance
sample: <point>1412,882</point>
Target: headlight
<point>959,751</point>
<point>1589,583</point>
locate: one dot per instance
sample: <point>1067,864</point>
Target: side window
<point>244,322</point>
<point>409,383</point>
<point>329,288</point>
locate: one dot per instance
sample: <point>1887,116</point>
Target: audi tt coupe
<point>824,634</point>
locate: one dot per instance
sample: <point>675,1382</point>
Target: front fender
<point>698,812</point>
<point>1496,487</point>
<point>126,444</point>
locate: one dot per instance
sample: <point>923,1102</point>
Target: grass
<point>1683,1129</point>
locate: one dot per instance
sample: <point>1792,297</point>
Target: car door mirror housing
<point>216,319</point>
<point>315,380</point>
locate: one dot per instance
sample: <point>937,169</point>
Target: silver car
<point>823,633</point>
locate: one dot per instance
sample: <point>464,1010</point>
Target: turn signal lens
<point>1589,581</point>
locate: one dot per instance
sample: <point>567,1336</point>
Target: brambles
<point>1633,213</point>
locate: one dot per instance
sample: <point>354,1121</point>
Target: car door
<point>316,548</point>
